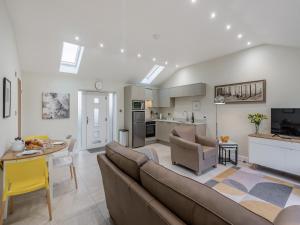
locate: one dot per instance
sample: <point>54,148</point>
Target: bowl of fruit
<point>224,139</point>
<point>33,144</point>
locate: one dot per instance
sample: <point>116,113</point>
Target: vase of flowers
<point>256,119</point>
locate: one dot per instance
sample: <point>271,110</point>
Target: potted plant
<point>256,119</point>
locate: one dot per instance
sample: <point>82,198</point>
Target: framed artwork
<point>55,106</point>
<point>6,98</point>
<point>245,92</point>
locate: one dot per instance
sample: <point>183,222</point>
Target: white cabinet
<point>136,92</point>
<point>155,98</point>
<point>148,94</point>
<point>164,98</point>
<point>275,154</point>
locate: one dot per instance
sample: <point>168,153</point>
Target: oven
<point>138,105</point>
<point>150,129</point>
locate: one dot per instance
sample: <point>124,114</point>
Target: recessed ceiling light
<point>77,38</point>
<point>154,59</point>
<point>166,62</point>
<point>139,55</point>
<point>193,1</point>
<point>249,43</point>
<point>122,50</point>
<point>101,45</point>
<point>240,36</point>
<point>177,66</point>
<point>228,27</point>
<point>213,15</point>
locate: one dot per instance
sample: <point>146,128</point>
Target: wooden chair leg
<point>75,176</point>
<point>11,205</point>
<point>49,205</point>
<point>71,171</point>
<point>2,211</point>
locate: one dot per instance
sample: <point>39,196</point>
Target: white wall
<point>35,84</point>
<point>279,65</point>
<point>8,66</point>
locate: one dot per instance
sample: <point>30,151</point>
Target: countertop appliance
<point>138,105</point>
<point>138,129</point>
<point>150,129</point>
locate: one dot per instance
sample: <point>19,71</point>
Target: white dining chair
<point>67,161</point>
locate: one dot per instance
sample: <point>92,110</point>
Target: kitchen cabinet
<point>155,98</point>
<point>188,90</point>
<point>164,98</point>
<point>148,94</point>
<point>136,92</point>
<point>164,129</point>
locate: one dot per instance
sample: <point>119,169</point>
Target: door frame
<point>19,112</point>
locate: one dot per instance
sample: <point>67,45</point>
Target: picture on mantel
<point>55,106</point>
<point>246,92</point>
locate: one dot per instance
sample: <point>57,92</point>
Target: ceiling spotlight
<point>154,59</point>
<point>166,62</point>
<point>122,50</point>
<point>228,27</point>
<point>249,43</point>
<point>101,45</point>
<point>77,38</point>
<point>213,15</point>
<point>193,1</point>
<point>177,66</point>
<point>139,55</point>
<point>240,36</point>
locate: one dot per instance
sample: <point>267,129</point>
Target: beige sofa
<point>192,151</point>
<point>141,192</point>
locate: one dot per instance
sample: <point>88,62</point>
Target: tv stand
<point>276,152</point>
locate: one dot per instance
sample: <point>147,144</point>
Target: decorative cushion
<point>149,152</point>
<point>185,132</point>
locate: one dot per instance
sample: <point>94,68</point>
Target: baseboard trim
<point>243,158</point>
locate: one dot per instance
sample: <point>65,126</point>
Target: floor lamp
<point>219,100</point>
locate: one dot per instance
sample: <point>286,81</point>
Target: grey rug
<point>95,150</point>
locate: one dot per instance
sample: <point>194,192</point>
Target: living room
<point>189,108</point>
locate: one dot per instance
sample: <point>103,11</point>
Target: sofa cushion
<point>185,132</point>
<point>125,159</point>
<point>194,203</point>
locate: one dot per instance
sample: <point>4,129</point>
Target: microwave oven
<point>138,105</point>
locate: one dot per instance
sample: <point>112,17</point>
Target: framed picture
<point>6,98</point>
<point>55,106</point>
<point>246,92</point>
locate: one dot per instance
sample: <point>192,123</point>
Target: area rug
<point>264,195</point>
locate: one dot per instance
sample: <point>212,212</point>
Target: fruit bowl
<point>224,139</point>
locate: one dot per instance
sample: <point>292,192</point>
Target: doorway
<point>95,119</point>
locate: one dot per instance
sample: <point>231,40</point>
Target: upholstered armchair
<point>192,151</point>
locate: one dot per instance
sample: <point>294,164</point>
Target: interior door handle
<point>87,120</point>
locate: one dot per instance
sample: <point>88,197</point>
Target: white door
<point>96,120</point>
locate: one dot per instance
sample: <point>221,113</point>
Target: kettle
<point>18,145</point>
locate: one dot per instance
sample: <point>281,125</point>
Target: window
<point>154,72</point>
<point>70,58</point>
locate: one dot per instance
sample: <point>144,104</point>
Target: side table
<point>225,150</point>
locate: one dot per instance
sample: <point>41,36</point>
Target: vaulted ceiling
<point>177,31</point>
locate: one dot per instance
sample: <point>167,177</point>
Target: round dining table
<point>46,151</point>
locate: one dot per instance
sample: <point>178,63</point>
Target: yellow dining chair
<point>24,176</point>
<point>40,137</point>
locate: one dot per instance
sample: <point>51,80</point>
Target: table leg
<point>236,156</point>
<point>50,170</point>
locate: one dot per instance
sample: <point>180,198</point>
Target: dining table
<point>48,150</point>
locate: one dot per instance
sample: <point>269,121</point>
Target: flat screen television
<point>285,121</point>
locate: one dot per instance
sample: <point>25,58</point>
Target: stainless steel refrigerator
<point>138,129</point>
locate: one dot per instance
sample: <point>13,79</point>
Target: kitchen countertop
<point>179,122</point>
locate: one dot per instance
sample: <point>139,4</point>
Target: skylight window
<point>70,58</point>
<point>154,72</point>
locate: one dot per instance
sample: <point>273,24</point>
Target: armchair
<point>192,151</point>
